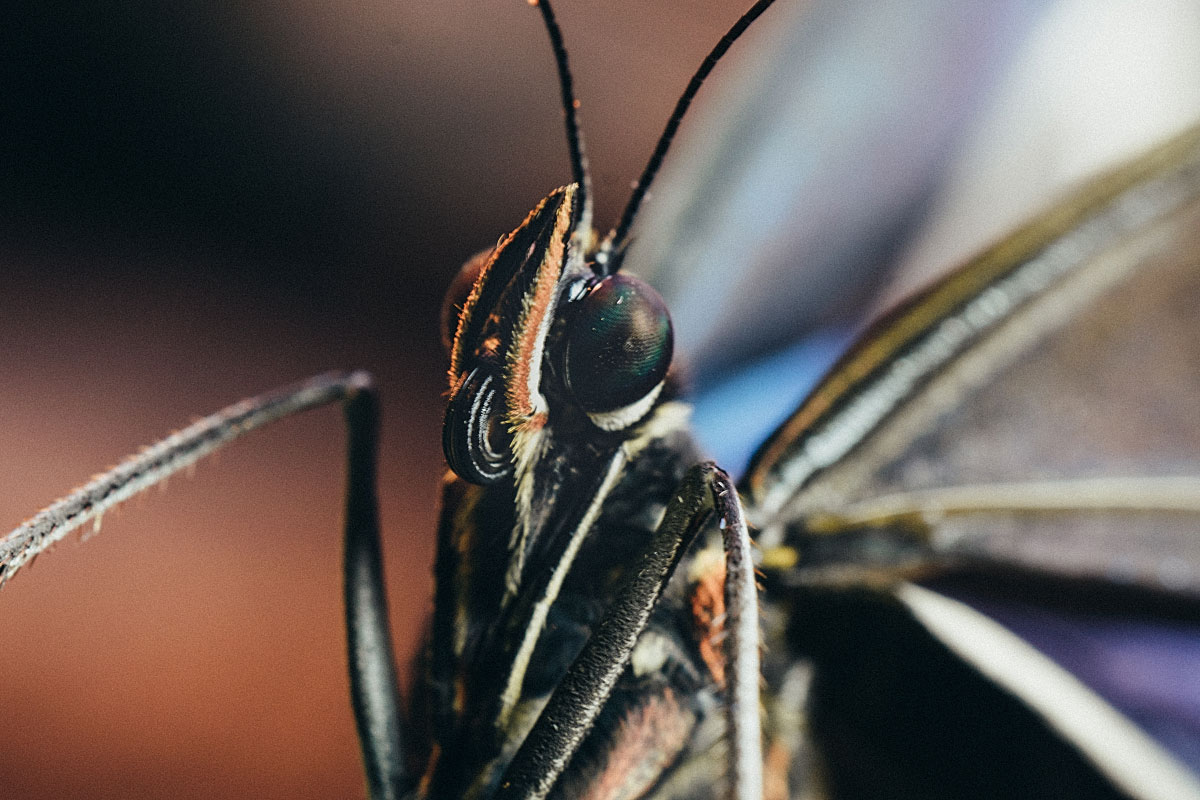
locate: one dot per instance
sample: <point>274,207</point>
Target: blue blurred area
<point>737,409</point>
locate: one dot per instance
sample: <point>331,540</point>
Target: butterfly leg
<point>706,492</point>
<point>372,669</point>
<point>156,463</point>
<point>373,688</point>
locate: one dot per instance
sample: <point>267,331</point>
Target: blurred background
<point>198,203</point>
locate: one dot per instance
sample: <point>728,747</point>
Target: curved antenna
<point>579,165</point>
<point>615,245</point>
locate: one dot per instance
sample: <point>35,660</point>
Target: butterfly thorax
<point>483,694</point>
<point>565,445</point>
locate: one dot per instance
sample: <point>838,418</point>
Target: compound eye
<point>619,344</point>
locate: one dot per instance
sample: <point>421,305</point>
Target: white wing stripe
<point>1118,748</point>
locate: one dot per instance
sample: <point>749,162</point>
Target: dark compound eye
<point>619,344</point>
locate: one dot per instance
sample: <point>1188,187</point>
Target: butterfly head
<point>552,365</point>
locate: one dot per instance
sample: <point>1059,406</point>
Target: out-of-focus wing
<point>1049,387</point>
<point>1032,414</point>
<point>783,211</point>
<point>806,162</point>
<point>844,141</point>
<point>914,695</point>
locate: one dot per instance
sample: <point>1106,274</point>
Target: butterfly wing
<point>844,144</point>
<point>1051,378</point>
<point>809,157</point>
<point>1030,414</point>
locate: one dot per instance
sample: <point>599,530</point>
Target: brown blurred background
<point>197,204</point>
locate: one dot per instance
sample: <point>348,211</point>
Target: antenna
<point>579,165</point>
<point>618,240</point>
